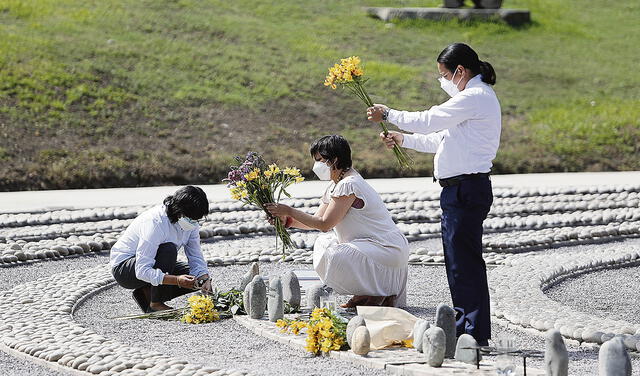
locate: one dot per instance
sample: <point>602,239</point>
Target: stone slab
<point>398,361</point>
<point>513,17</point>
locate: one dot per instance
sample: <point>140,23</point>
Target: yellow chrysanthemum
<point>252,175</point>
<point>299,179</point>
<point>326,345</point>
<point>292,171</point>
<point>268,173</point>
<point>238,193</point>
<point>274,168</point>
<point>202,310</point>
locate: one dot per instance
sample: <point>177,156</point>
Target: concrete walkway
<point>24,201</point>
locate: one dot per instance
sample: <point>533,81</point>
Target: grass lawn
<point>124,93</point>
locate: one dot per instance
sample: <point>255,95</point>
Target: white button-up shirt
<point>142,238</point>
<point>463,132</point>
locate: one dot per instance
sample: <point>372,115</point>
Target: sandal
<point>355,301</point>
<point>140,296</point>
<point>389,301</point>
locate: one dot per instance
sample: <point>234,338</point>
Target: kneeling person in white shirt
<point>144,258</point>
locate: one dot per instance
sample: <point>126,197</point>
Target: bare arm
<point>319,213</point>
<point>325,219</point>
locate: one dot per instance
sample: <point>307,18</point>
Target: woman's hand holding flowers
<point>392,138</point>
<point>376,112</point>
<point>281,211</point>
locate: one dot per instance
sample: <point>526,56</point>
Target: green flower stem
<point>357,88</point>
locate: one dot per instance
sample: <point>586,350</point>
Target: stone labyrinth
<point>37,322</point>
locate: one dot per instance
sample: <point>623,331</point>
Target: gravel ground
<point>593,293</point>
<point>223,344</point>
<point>228,345</point>
<point>15,275</point>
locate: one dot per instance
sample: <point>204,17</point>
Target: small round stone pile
<point>517,294</point>
<point>22,251</point>
<point>520,220</point>
<point>37,320</point>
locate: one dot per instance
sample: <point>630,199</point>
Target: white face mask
<point>187,224</point>
<point>322,171</point>
<point>448,86</point>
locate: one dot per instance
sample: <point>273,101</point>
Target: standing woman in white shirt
<point>144,258</point>
<point>464,134</point>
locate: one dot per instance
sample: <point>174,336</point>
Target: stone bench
<point>513,17</point>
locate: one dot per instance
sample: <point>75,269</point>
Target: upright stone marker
<point>291,289</point>
<point>314,292</point>
<point>462,353</point>
<point>556,358</point>
<point>613,359</point>
<point>446,320</point>
<point>254,270</point>
<point>275,302</point>
<point>434,346</point>
<point>361,341</point>
<point>257,298</point>
<point>354,323</point>
<point>419,328</point>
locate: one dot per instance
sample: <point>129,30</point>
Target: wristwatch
<point>385,114</point>
<point>200,282</point>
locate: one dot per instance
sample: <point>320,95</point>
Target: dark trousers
<point>464,207</point>
<point>125,274</point>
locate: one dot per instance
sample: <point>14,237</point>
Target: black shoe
<point>141,298</point>
<point>483,342</point>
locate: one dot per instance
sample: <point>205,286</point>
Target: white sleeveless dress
<point>366,253</point>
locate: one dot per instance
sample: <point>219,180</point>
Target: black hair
<point>332,147</point>
<point>188,201</point>
<point>460,54</point>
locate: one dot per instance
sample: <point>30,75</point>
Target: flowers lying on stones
<point>202,310</point>
<point>325,331</point>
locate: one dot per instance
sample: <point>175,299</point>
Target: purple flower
<point>234,175</point>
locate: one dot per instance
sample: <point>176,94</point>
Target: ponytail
<point>487,72</point>
<point>461,54</point>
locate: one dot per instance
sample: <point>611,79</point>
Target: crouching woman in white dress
<point>366,255</point>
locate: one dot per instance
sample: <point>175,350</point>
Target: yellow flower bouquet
<point>256,183</point>
<point>325,331</point>
<point>350,75</point>
<point>201,310</point>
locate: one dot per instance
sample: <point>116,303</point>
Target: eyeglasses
<point>195,222</point>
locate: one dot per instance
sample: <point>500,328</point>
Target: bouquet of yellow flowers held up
<point>350,75</point>
<point>256,183</point>
<point>325,331</point>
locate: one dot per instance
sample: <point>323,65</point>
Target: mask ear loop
<point>460,80</point>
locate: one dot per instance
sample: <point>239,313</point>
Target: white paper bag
<point>387,325</point>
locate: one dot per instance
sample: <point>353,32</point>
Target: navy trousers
<point>464,207</point>
<point>125,274</point>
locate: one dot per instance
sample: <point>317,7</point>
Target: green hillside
<point>124,93</point>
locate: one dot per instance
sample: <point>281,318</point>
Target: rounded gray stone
<point>462,353</point>
<point>556,357</point>
<point>275,302</point>
<point>434,345</point>
<point>354,323</point>
<point>361,341</point>
<point>419,328</point>
<point>291,289</point>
